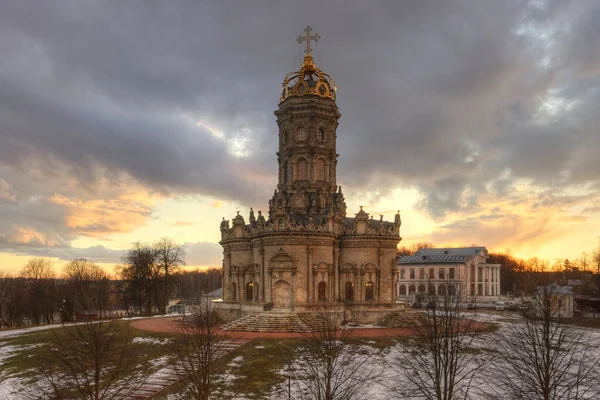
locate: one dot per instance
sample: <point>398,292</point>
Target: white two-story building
<point>461,271</point>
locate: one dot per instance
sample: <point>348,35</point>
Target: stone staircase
<point>268,321</point>
<point>397,320</point>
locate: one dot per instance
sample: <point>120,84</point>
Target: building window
<point>288,173</point>
<point>441,273</point>
<point>451,273</point>
<point>421,273</point>
<point>421,288</point>
<point>302,170</point>
<point>349,291</point>
<point>411,289</point>
<point>402,291</point>
<point>321,135</point>
<point>442,290</point>
<point>451,290</point>
<point>298,200</point>
<point>431,273</point>
<point>402,273</point>
<point>249,291</point>
<point>233,291</point>
<point>321,290</point>
<point>301,135</point>
<point>369,291</point>
<point>412,273</point>
<point>280,224</point>
<point>320,170</point>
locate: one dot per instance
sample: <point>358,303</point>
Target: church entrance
<point>282,295</point>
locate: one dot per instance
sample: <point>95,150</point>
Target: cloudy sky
<point>126,121</point>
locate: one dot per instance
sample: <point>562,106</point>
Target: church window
<point>321,289</point>
<point>280,224</point>
<point>299,201</point>
<point>411,289</point>
<point>302,173</point>
<point>249,291</point>
<point>288,172</point>
<point>402,291</point>
<point>233,291</point>
<point>321,135</point>
<point>320,170</point>
<point>301,135</point>
<point>349,291</point>
<point>369,291</point>
<point>412,273</point>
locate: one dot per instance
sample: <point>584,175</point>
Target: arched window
<point>369,291</point>
<point>411,289</point>
<point>431,290</point>
<point>451,290</point>
<point>349,291</point>
<point>321,135</point>
<point>321,291</point>
<point>402,291</point>
<point>250,291</point>
<point>320,170</point>
<point>302,170</point>
<point>442,290</point>
<point>233,291</point>
<point>421,288</point>
<point>280,224</point>
<point>288,173</point>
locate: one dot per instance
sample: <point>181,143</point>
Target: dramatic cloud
<point>107,107</point>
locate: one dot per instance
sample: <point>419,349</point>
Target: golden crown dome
<point>309,80</point>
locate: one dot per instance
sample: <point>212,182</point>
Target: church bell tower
<point>308,118</point>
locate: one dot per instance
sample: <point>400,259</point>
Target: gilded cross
<point>308,38</point>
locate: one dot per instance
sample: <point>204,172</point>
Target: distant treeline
<point>149,276</point>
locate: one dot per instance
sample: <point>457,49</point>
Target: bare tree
<point>197,348</point>
<point>329,365</point>
<point>92,360</point>
<point>41,290</point>
<point>143,273</point>
<point>439,363</point>
<point>87,286</point>
<point>540,357</point>
<point>170,256</point>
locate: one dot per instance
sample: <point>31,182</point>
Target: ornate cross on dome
<point>308,38</point>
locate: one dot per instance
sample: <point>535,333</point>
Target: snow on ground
<point>146,340</point>
<point>387,373</point>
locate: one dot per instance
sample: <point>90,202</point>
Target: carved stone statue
<point>252,219</point>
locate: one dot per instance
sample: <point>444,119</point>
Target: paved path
<point>170,325</point>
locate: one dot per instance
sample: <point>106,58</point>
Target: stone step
<point>269,321</point>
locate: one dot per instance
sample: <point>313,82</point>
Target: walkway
<point>169,325</point>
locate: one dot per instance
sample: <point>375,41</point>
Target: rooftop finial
<point>307,38</point>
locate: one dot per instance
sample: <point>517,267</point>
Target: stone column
<point>336,272</point>
<point>489,283</point>
<point>476,280</point>
<point>309,276</point>
<point>263,278</point>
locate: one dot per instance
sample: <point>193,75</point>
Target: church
<point>306,249</point>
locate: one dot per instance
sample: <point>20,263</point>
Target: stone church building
<point>306,249</point>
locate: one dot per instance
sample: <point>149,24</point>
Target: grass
<point>30,347</point>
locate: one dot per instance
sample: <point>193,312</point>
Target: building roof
<point>556,289</point>
<point>444,255</point>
